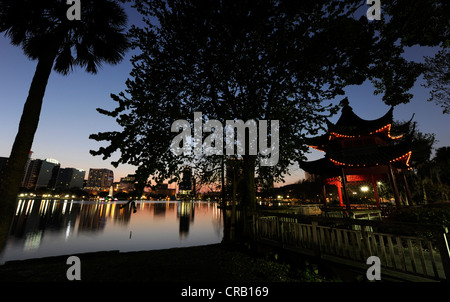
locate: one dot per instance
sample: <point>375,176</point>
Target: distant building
<point>163,189</point>
<point>126,184</point>
<point>69,178</point>
<point>48,174</point>
<point>100,178</point>
<point>41,174</point>
<point>31,175</point>
<point>185,186</point>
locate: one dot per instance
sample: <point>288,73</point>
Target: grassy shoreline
<point>207,263</point>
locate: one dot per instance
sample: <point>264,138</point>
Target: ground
<point>216,263</point>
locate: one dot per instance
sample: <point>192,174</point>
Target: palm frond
<point>41,26</point>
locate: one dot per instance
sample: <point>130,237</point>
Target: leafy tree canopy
<point>42,27</point>
<point>437,76</point>
<point>261,60</point>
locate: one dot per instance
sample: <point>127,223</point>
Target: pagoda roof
<point>350,124</point>
<point>371,156</point>
<point>346,144</point>
<point>318,142</point>
<point>318,167</point>
<point>367,156</point>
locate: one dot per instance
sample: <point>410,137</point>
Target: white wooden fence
<point>355,240</point>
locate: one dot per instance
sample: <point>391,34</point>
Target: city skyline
<point>69,116</point>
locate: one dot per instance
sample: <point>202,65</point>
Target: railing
<point>352,241</point>
<point>371,214</point>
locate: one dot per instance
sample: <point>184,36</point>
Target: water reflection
<point>47,228</point>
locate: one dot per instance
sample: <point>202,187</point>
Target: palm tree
<point>45,34</point>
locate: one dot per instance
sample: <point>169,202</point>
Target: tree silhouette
<point>246,60</point>
<point>43,31</point>
<point>257,60</point>
<point>437,77</point>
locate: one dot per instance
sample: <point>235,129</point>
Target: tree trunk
<point>249,196</point>
<point>233,205</point>
<point>425,199</point>
<point>222,176</point>
<point>9,188</point>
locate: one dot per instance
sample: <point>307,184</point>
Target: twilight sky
<point>68,114</point>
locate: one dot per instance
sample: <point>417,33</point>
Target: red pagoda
<point>358,150</point>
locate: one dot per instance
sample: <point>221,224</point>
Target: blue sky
<point>68,114</point>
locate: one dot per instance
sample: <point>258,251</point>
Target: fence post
<point>315,238</point>
<point>442,245</point>
<point>366,242</point>
<point>280,231</point>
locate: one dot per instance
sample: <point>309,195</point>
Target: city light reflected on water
<point>43,228</point>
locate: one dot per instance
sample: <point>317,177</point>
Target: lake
<point>43,228</point>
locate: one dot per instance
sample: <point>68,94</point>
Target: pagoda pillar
<point>408,192</point>
<point>324,192</point>
<point>375,191</point>
<point>344,185</point>
<point>394,186</point>
<point>341,201</point>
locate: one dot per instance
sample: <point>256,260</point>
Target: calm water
<point>49,228</point>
